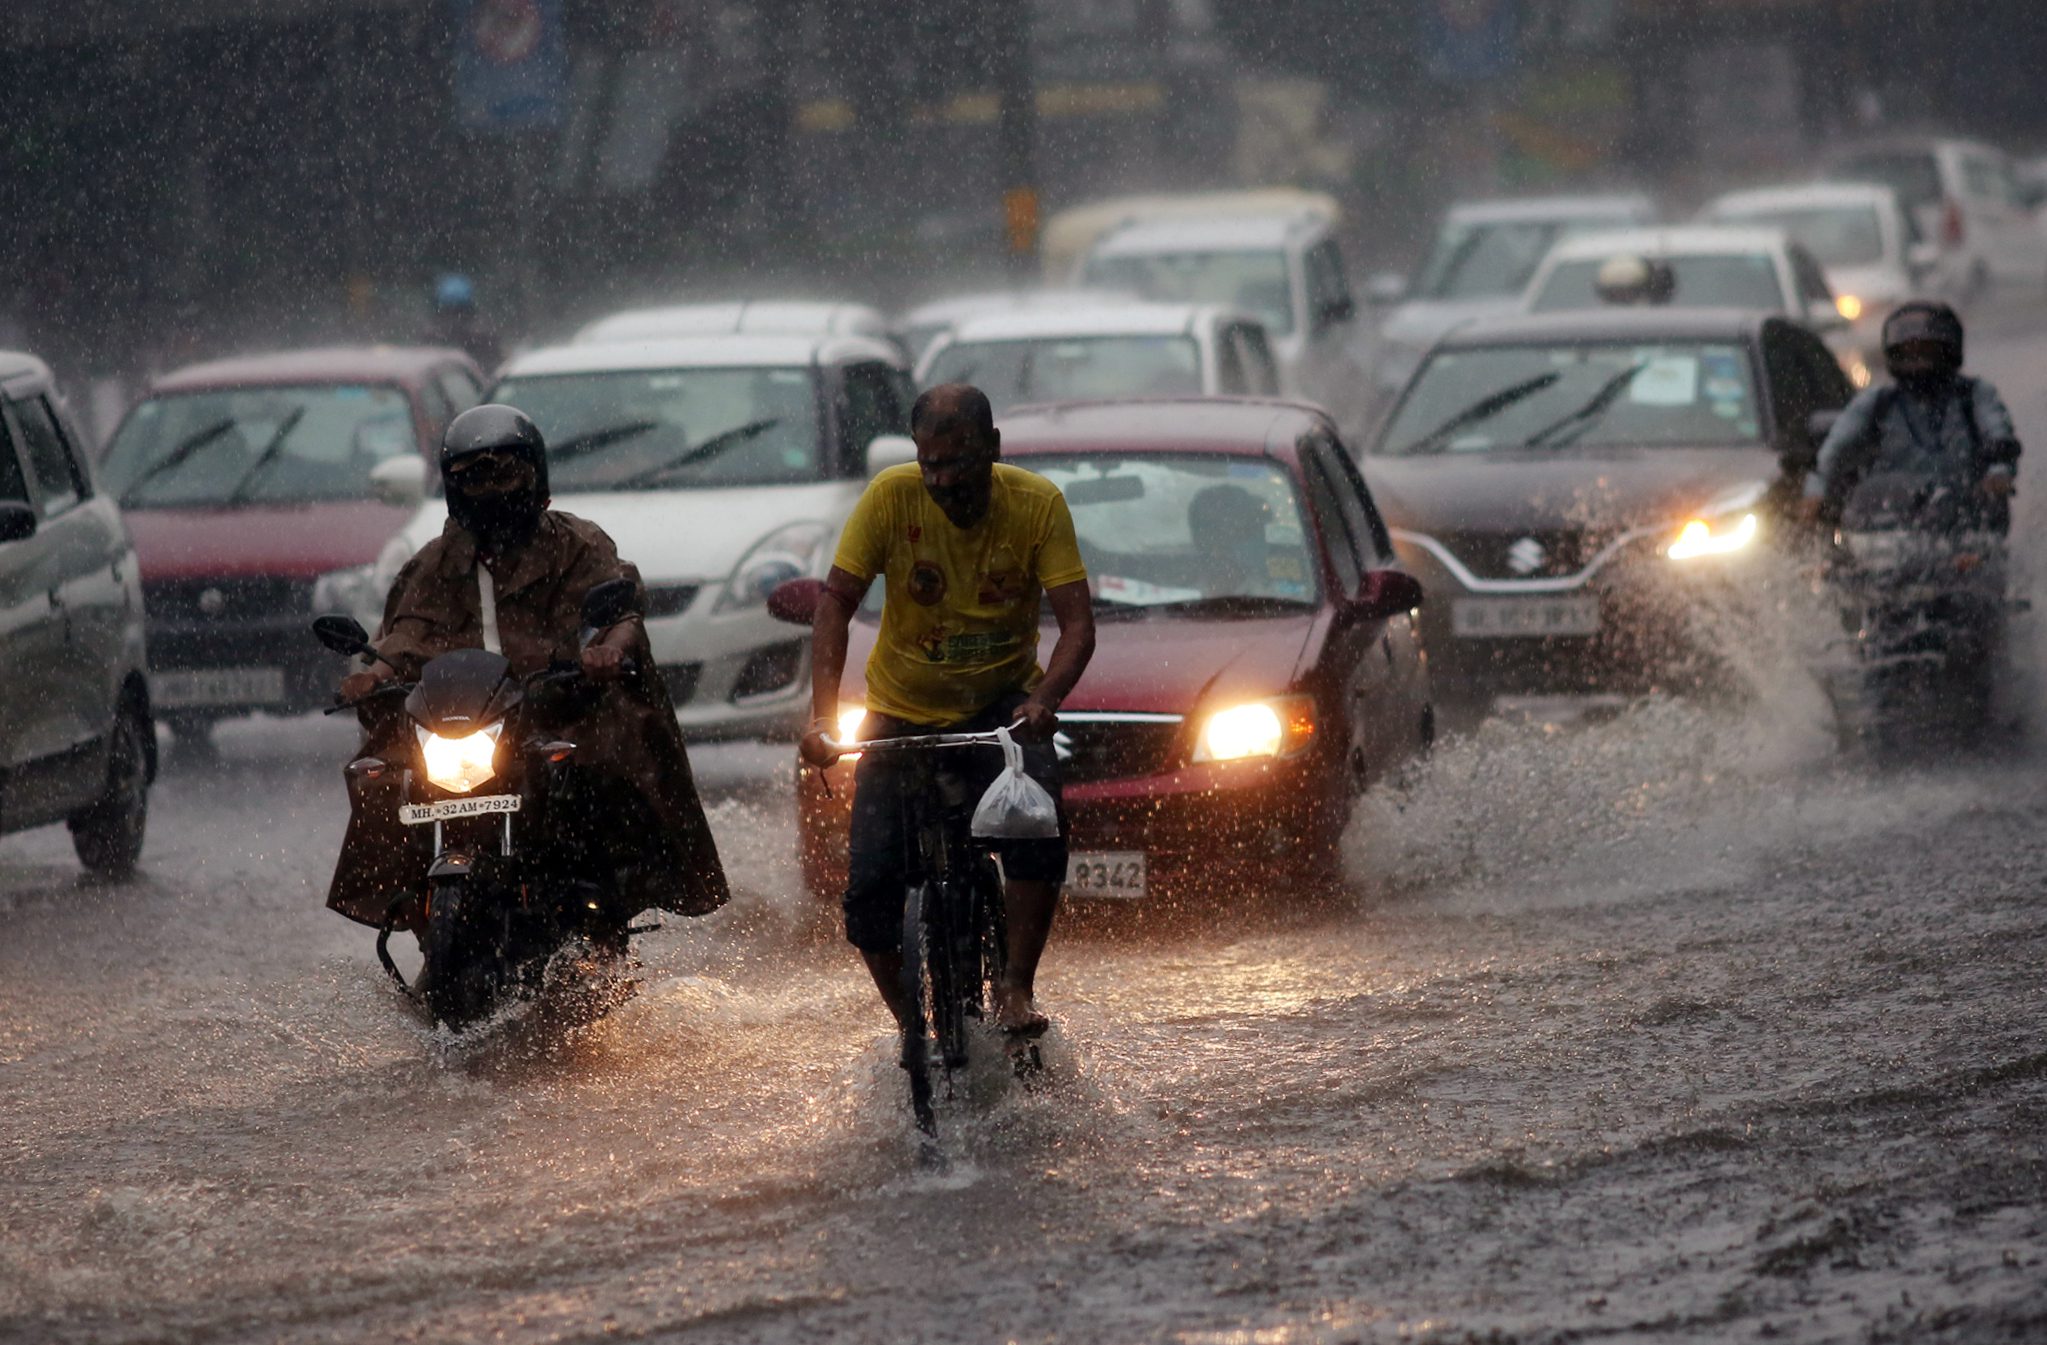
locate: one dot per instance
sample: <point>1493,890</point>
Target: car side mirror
<point>1386,289</point>
<point>607,604</point>
<point>400,480</point>
<point>342,634</point>
<point>17,521</point>
<point>1824,315</point>
<point>795,601</point>
<point>889,450</point>
<point>1385,593</point>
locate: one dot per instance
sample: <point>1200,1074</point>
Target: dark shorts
<point>882,862</point>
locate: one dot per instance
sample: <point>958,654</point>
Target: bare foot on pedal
<point>1016,1015</point>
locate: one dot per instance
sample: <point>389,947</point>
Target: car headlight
<point>1271,728</point>
<point>1848,306</point>
<point>459,765</point>
<point>1721,537</point>
<point>793,551</point>
<point>353,591</point>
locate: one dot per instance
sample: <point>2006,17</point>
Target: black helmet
<point>503,519</point>
<point>1924,322</point>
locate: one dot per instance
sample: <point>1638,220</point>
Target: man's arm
<point>1074,609</point>
<point>842,596</point>
<point>1846,444</point>
<point>1999,447</point>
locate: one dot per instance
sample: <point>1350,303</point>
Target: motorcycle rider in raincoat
<point>1932,420</point>
<point>508,573</point>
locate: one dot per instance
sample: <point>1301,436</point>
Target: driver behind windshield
<point>1228,526</point>
<point>508,574</point>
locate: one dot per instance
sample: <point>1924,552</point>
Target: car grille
<point>240,598</point>
<point>769,670</point>
<point>1095,748</point>
<point>1545,554</point>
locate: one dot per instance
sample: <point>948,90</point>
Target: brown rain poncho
<point>631,735</point>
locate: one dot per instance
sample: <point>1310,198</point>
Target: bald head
<point>954,410</point>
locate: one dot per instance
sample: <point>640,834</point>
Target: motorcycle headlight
<point>1271,728</point>
<point>793,551</point>
<point>1716,537</point>
<point>353,591</point>
<point>459,765</point>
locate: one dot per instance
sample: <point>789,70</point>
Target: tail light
<point>1952,231</point>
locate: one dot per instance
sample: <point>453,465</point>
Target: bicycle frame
<point>953,928</point>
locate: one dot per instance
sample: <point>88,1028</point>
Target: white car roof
<point>958,308</point>
<point>1802,196</point>
<point>698,352</point>
<point>1631,207</point>
<point>1235,233</point>
<point>1696,240</point>
<point>1133,319</point>
<point>740,317</point>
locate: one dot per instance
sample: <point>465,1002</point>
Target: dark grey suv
<point>77,744</point>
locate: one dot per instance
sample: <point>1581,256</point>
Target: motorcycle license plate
<point>1114,874</point>
<point>483,805</point>
<point>1508,618</point>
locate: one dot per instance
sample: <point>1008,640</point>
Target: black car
<point>1557,482</point>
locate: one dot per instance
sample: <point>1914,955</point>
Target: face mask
<point>498,522</point>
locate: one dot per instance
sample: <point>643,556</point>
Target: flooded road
<point>1675,1025</point>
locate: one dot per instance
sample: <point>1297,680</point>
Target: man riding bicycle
<point>968,546</point>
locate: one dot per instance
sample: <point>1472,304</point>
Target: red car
<point>261,489</point>
<point>1256,662</point>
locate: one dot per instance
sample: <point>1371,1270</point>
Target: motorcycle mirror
<point>795,601</point>
<point>342,634</point>
<point>609,603</point>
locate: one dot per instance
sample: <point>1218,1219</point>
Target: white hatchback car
<point>918,327</point>
<point>721,466</point>
<point>1103,351</point>
<point>1967,199</point>
<point>1285,269</point>
<point>1866,241</point>
<point>1483,256</point>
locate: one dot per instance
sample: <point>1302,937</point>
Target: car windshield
<point>1071,368</point>
<point>274,444</point>
<point>1914,175</point>
<point>1253,281</point>
<point>1834,235</point>
<point>1196,532</point>
<point>1707,281</point>
<point>657,429</point>
<point>1493,259</point>
<point>1586,395</point>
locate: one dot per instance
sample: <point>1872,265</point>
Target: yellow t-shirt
<point>959,626</point>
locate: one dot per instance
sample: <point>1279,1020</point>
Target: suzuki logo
<point>1526,556</point>
<point>1062,745</point>
<point>212,602</point>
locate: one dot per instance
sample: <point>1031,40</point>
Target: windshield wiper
<point>703,452</point>
<point>266,457</point>
<point>1564,432</point>
<point>590,441</point>
<point>1485,408</point>
<point>177,457</point>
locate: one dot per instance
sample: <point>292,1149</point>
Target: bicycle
<point>955,936</point>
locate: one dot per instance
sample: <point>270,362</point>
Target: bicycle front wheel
<point>916,986</point>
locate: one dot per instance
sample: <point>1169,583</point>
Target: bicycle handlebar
<point>991,738</point>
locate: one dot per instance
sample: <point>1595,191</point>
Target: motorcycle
<point>1919,569</point>
<point>491,800</point>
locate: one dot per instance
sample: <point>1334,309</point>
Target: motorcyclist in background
<point>455,322</point>
<point>1931,420</point>
<point>508,574</point>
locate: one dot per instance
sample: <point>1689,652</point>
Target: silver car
<point>77,743</point>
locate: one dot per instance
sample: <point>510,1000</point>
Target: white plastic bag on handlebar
<point>1015,807</point>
